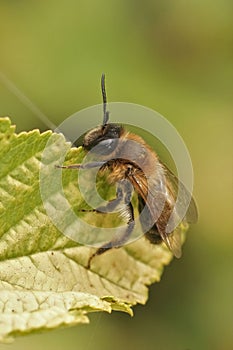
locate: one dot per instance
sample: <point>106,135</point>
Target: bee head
<point>106,136</point>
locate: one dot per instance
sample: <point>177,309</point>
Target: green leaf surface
<point>44,280</point>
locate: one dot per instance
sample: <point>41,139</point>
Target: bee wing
<point>163,195</point>
<point>191,215</point>
<point>174,242</point>
<point>172,239</point>
<point>159,194</point>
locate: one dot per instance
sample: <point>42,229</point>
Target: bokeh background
<point>173,56</point>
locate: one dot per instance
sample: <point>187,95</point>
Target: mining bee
<point>134,167</point>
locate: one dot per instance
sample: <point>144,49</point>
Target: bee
<point>133,166</point>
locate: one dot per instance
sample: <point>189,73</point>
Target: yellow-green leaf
<point>44,279</point>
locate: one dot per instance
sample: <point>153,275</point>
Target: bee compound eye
<point>110,143</point>
<point>107,145</point>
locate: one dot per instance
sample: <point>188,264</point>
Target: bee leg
<point>110,207</point>
<point>127,212</point>
<point>81,166</point>
<point>114,203</point>
<point>120,241</point>
<point>145,218</point>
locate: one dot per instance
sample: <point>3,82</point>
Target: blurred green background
<point>175,57</point>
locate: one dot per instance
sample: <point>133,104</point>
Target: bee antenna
<point>106,113</point>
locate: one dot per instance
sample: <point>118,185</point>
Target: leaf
<point>44,280</point>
